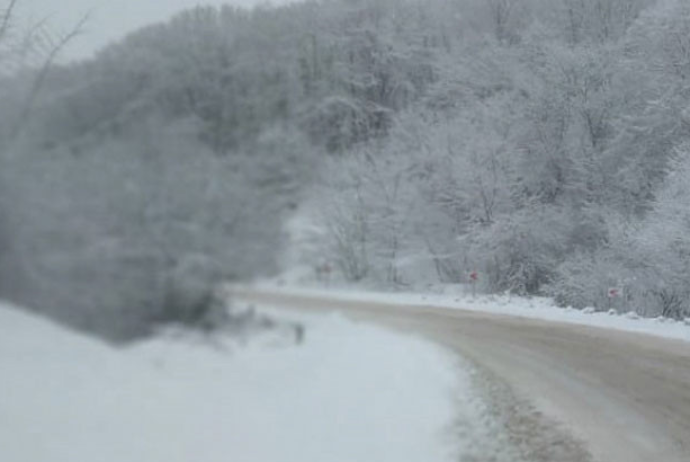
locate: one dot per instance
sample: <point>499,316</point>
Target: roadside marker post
<point>613,293</point>
<point>474,277</point>
<point>326,270</point>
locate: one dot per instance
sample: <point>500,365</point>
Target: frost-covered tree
<point>137,230</point>
<point>26,58</point>
<point>130,192</point>
<point>664,240</point>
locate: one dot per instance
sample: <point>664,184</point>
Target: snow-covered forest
<point>544,144</point>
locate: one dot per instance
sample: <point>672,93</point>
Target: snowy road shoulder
<point>347,392</point>
<point>456,297</point>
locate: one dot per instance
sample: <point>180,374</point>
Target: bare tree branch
<point>7,19</point>
<point>39,81</point>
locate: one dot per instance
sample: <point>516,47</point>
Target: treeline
<point>417,140</point>
<point>549,153</point>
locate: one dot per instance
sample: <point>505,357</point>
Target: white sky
<point>110,19</point>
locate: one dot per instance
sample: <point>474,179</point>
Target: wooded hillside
<point>542,143</point>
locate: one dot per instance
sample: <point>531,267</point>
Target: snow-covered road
<point>625,395</point>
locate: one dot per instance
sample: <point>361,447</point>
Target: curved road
<point>625,397</point>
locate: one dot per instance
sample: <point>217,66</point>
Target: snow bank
<point>348,393</point>
<point>459,297</point>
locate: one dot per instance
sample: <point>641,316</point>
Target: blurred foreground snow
<point>347,393</point>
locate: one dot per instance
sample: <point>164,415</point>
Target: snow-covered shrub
<point>648,258</point>
<point>585,278</point>
<point>663,239</point>
<point>518,252</point>
<point>136,230</point>
<point>191,292</point>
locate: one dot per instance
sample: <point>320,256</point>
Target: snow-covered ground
<point>347,392</point>
<point>460,297</point>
